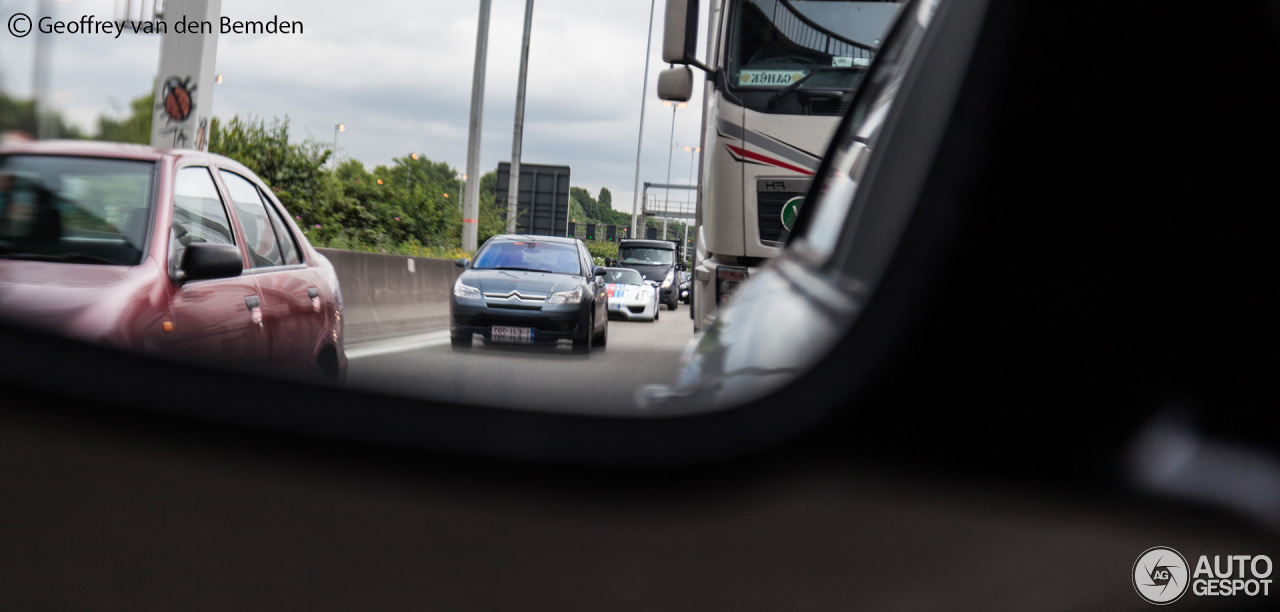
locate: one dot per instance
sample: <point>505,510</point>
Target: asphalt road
<point>528,377</point>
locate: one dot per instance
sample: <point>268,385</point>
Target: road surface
<point>529,377</point>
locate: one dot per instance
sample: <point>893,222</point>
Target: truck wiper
<point>796,83</point>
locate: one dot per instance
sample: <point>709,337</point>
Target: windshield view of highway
<point>462,234</point>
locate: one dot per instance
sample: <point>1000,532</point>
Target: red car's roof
<point>90,148</point>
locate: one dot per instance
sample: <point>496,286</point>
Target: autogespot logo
<point>1160,575</point>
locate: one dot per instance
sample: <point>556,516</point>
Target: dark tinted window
<point>827,44</point>
<point>646,256</point>
<point>530,255</point>
<point>74,209</point>
<point>264,251</point>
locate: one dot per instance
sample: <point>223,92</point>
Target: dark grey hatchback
<point>530,289</point>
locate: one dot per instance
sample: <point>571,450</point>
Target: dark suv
<point>655,260</point>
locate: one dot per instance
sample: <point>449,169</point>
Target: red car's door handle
<point>253,303</point>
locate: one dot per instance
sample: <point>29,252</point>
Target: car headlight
<point>666,282</point>
<point>566,297</point>
<point>465,291</point>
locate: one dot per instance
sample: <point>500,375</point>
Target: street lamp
<point>337,128</point>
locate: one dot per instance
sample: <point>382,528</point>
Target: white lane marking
<point>397,345</point>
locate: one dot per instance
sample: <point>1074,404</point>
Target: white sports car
<point>630,296</point>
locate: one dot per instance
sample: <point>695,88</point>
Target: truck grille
<point>771,195</point>
<point>829,106</point>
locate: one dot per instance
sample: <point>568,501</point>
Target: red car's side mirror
<point>203,260</point>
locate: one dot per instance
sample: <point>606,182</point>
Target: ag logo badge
<point>1160,575</point>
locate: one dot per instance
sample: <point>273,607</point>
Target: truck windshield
<point>646,256</point>
<point>74,209</point>
<point>827,43</point>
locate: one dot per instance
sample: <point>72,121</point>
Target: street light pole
<point>471,206</point>
<point>513,184</point>
<point>337,128</point>
<point>644,88</point>
<point>462,190</point>
<point>671,146</point>
<point>692,152</point>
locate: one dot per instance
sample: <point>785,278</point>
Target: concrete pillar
<point>186,73</point>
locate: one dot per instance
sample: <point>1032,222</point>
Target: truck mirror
<point>680,33</point>
<point>675,84</point>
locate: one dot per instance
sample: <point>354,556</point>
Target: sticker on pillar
<point>176,102</point>
<point>202,135</point>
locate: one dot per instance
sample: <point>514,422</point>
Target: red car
<point>176,252</point>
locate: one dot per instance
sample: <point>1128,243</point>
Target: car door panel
<point>210,318</point>
<point>292,312</point>
<point>213,318</point>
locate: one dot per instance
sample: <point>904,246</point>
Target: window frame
<point>280,212</point>
<point>232,221</point>
<point>251,268</point>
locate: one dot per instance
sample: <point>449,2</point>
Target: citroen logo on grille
<point>514,295</point>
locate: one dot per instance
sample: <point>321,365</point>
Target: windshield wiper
<point>517,269</point>
<point>796,83</point>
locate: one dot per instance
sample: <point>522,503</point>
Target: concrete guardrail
<point>392,295</point>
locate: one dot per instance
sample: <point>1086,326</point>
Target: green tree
<point>135,128</point>
<point>493,217</point>
<point>20,115</point>
<point>605,198</point>
<point>294,171</point>
<point>17,115</point>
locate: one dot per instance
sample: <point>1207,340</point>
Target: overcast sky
<point>398,73</point>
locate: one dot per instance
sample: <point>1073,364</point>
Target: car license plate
<point>512,335</point>
<point>615,306</point>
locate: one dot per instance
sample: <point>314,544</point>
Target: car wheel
<point>603,338</point>
<point>583,344</point>
<point>460,341</point>
<point>672,304</point>
<point>326,369</point>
